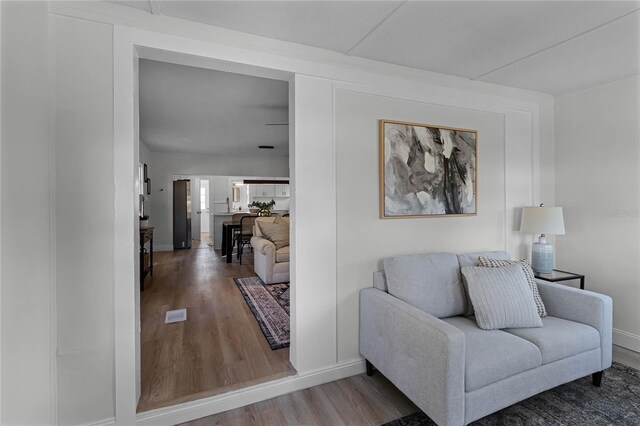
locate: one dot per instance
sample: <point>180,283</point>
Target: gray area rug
<point>616,402</point>
<point>269,303</point>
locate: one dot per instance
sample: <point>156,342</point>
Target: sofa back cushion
<point>380,281</point>
<point>430,282</point>
<point>471,259</point>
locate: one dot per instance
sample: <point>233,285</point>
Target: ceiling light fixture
<point>266,181</point>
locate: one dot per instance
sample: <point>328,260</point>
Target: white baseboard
<point>205,407</point>
<point>163,247</point>
<point>111,421</point>
<point>626,340</point>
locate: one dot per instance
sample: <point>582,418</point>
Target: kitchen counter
<point>231,213</point>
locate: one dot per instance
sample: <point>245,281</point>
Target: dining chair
<point>245,234</point>
<point>236,218</point>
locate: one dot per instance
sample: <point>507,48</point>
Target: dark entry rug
<point>616,402</point>
<point>269,303</point>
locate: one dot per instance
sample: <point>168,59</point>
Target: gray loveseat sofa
<point>416,330</point>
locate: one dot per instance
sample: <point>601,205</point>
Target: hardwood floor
<point>626,357</point>
<point>357,400</point>
<point>221,348</point>
<point>218,348</point>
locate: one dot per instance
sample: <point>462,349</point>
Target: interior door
<point>212,209</point>
<point>196,213</point>
<point>204,205</point>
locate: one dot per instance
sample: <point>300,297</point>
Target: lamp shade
<point>542,220</point>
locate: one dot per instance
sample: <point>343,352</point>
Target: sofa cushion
<point>256,226</point>
<point>380,281</point>
<point>531,278</point>
<point>471,259</point>
<point>282,254</point>
<point>430,282</point>
<point>493,355</point>
<point>281,220</point>
<point>559,338</point>
<point>277,233</point>
<point>501,297</point>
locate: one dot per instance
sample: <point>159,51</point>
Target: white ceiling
<point>554,47</point>
<point>203,111</point>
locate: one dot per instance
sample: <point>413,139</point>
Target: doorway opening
<point>219,258</point>
<point>204,213</point>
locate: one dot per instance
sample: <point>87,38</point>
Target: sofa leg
<point>597,378</point>
<point>369,368</point>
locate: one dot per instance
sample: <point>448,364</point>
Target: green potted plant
<point>264,208</point>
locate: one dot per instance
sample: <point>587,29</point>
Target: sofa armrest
<point>582,306</point>
<point>263,246</point>
<point>422,355</point>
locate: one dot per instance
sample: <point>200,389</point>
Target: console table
<point>146,236</point>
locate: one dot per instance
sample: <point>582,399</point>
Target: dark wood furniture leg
<point>582,283</point>
<point>146,236</point>
<point>369,368</point>
<point>597,378</point>
<point>142,271</point>
<point>223,246</point>
<point>151,255</point>
<point>229,240</point>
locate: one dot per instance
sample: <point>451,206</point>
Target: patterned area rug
<point>270,305</point>
<point>616,402</point>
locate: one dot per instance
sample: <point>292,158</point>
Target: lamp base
<point>542,256</point>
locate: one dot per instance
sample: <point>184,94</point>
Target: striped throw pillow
<point>526,267</point>
<point>501,297</point>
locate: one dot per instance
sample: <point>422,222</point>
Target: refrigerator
<point>181,214</point>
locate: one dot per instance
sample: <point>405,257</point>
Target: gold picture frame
<point>425,170</point>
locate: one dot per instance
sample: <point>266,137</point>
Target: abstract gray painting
<point>427,170</point>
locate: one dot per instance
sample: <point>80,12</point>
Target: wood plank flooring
<point>219,348</point>
<point>357,400</point>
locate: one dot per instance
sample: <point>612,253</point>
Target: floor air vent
<point>175,316</point>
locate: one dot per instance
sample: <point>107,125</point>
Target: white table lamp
<point>544,221</point>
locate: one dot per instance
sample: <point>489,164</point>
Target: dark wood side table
<point>558,275</point>
<point>146,236</point>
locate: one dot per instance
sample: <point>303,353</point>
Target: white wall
<point>598,185</point>
<point>363,238</point>
<point>163,166</point>
<point>84,110</point>
<point>84,218</point>
<point>26,251</point>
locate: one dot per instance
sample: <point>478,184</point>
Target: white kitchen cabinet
<point>282,190</point>
<point>269,191</point>
<point>263,191</point>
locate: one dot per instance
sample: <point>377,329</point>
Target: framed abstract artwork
<point>427,170</point>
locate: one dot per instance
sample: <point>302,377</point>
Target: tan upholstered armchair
<point>271,265</point>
